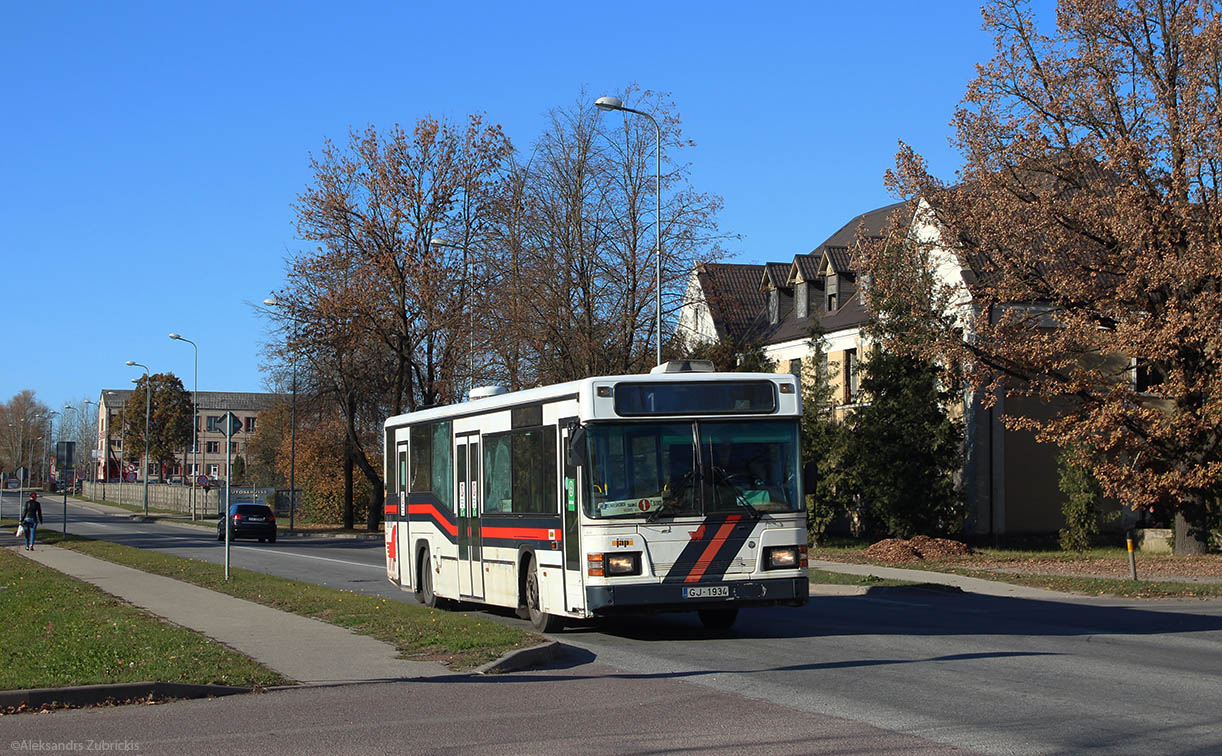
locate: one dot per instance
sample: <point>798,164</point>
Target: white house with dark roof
<point>1009,480</point>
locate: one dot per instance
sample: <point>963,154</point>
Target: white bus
<point>678,490</point>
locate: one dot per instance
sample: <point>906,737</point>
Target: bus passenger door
<point>396,521</point>
<point>466,477</point>
<point>570,512</point>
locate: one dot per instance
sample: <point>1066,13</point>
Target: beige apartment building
<point>113,460</point>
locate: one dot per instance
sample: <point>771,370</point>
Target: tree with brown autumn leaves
<point>1087,224</point>
<point>438,262</point>
<point>376,312</point>
<point>169,424</point>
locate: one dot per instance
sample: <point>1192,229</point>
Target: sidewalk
<point>307,650</point>
<point>970,584</point>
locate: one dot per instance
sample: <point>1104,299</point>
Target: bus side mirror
<point>810,476</point>
<point>577,445</point>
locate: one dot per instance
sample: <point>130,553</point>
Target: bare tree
<point>578,226</point>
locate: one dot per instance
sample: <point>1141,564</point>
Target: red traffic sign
<point>131,477</point>
<point>201,480</point>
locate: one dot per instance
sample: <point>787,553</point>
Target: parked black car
<point>249,521</point>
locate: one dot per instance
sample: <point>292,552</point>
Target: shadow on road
<point>920,613</point>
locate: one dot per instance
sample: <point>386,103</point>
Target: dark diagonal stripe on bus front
<point>703,549</point>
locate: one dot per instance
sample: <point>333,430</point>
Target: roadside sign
<point>231,420</point>
<point>201,480</point>
<point>131,477</point>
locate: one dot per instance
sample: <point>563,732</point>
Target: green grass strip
<point>456,639</point>
<point>1086,585</point>
<point>60,631</point>
<point>1094,586</point>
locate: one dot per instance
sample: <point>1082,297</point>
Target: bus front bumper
<point>678,597</point>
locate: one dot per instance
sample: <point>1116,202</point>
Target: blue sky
<point>151,151</point>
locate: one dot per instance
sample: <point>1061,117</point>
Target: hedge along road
<point>998,675</point>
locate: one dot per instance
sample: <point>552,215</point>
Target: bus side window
<point>497,474</point>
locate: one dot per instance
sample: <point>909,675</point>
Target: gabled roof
<point>875,222</point>
<point>213,400</point>
<point>732,293</point>
<point>738,305</point>
<point>805,266</point>
<point>838,258</point>
<point>776,276</point>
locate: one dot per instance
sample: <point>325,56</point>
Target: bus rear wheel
<point>717,619</point>
<point>539,619</point>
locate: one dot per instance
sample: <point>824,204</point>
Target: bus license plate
<point>707,591</point>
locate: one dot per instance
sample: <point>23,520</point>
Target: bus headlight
<point>781,557</point>
<point>623,563</point>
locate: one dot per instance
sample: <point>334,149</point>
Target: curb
<point>92,695</point>
<point>523,658</point>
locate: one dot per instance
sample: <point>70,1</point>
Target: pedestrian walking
<point>31,517</point>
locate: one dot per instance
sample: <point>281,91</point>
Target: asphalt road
<point>986,674</point>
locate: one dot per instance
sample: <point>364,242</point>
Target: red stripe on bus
<point>710,551</point>
<point>392,509</point>
<point>429,509</point>
<point>526,534</point>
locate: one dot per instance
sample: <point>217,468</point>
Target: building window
<point>795,369</point>
<point>212,447</point>
<point>800,300</point>
<point>250,424</point>
<point>833,291</point>
<point>851,375</point>
<point>233,447</point>
<point>214,422</point>
<point>213,471</point>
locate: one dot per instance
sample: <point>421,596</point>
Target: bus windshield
<point>689,468</point>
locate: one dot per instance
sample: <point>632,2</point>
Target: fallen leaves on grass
<point>917,549</point>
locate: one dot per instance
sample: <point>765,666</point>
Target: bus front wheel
<point>424,592</point>
<point>717,619</point>
<point>539,619</point>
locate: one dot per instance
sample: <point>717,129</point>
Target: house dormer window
<point>832,291</point>
<point>800,300</point>
<point>774,306</point>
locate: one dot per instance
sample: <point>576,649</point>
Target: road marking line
<point>311,556</point>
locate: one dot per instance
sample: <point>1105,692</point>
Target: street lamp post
<point>148,408</point>
<point>615,103</point>
<point>89,402</point>
<point>51,434</point>
<point>273,302</point>
<point>194,421</point>
<point>68,483</point>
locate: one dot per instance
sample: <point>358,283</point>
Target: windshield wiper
<point>740,498</point>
